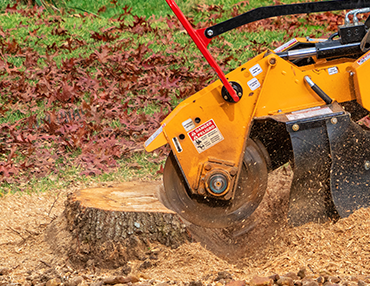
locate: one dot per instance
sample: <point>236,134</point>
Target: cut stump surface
<point>125,197</point>
<point>112,225</point>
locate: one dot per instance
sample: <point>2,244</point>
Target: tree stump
<point>112,225</point>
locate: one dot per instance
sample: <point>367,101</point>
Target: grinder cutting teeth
<point>283,105</point>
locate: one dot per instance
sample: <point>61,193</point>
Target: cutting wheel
<point>214,213</point>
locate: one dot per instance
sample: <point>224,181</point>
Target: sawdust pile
<point>23,220</point>
<point>341,248</point>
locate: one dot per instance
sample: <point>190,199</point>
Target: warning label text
<point>205,136</point>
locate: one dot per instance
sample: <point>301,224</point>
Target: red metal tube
<point>202,42</point>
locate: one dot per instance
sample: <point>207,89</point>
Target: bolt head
<point>295,127</point>
<point>207,167</point>
<point>334,120</point>
<point>201,191</point>
<point>233,171</point>
<point>210,33</point>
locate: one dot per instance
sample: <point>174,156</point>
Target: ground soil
<point>263,246</point>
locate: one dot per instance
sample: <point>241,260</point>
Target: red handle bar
<point>202,42</point>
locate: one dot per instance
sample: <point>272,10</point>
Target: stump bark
<point>112,225</point>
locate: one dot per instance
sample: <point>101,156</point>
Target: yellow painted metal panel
<point>361,74</point>
<point>270,85</point>
<point>284,90</point>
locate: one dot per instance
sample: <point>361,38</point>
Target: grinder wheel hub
<point>218,184</point>
<point>210,211</point>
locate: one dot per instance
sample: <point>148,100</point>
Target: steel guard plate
<point>331,168</point>
<point>350,173</point>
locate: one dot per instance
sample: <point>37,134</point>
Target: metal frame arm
<point>282,10</point>
<point>201,41</point>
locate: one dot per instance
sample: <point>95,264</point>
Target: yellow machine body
<point>207,133</point>
<point>361,71</point>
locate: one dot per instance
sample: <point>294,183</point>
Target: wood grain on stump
<point>115,224</point>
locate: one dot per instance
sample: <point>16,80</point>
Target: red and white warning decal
<point>286,45</point>
<point>363,59</point>
<point>205,136</point>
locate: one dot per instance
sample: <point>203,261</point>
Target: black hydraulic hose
<point>332,36</point>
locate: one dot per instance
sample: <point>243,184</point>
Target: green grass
<point>11,116</point>
<point>78,28</point>
<point>81,28</point>
<point>138,166</point>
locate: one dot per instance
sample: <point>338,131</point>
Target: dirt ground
<point>265,246</point>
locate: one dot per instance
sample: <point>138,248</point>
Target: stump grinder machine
<point>298,104</point>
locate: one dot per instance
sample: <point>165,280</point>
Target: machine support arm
<point>282,10</point>
<point>201,41</point>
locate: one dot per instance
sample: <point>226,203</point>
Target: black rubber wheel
<point>214,213</point>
